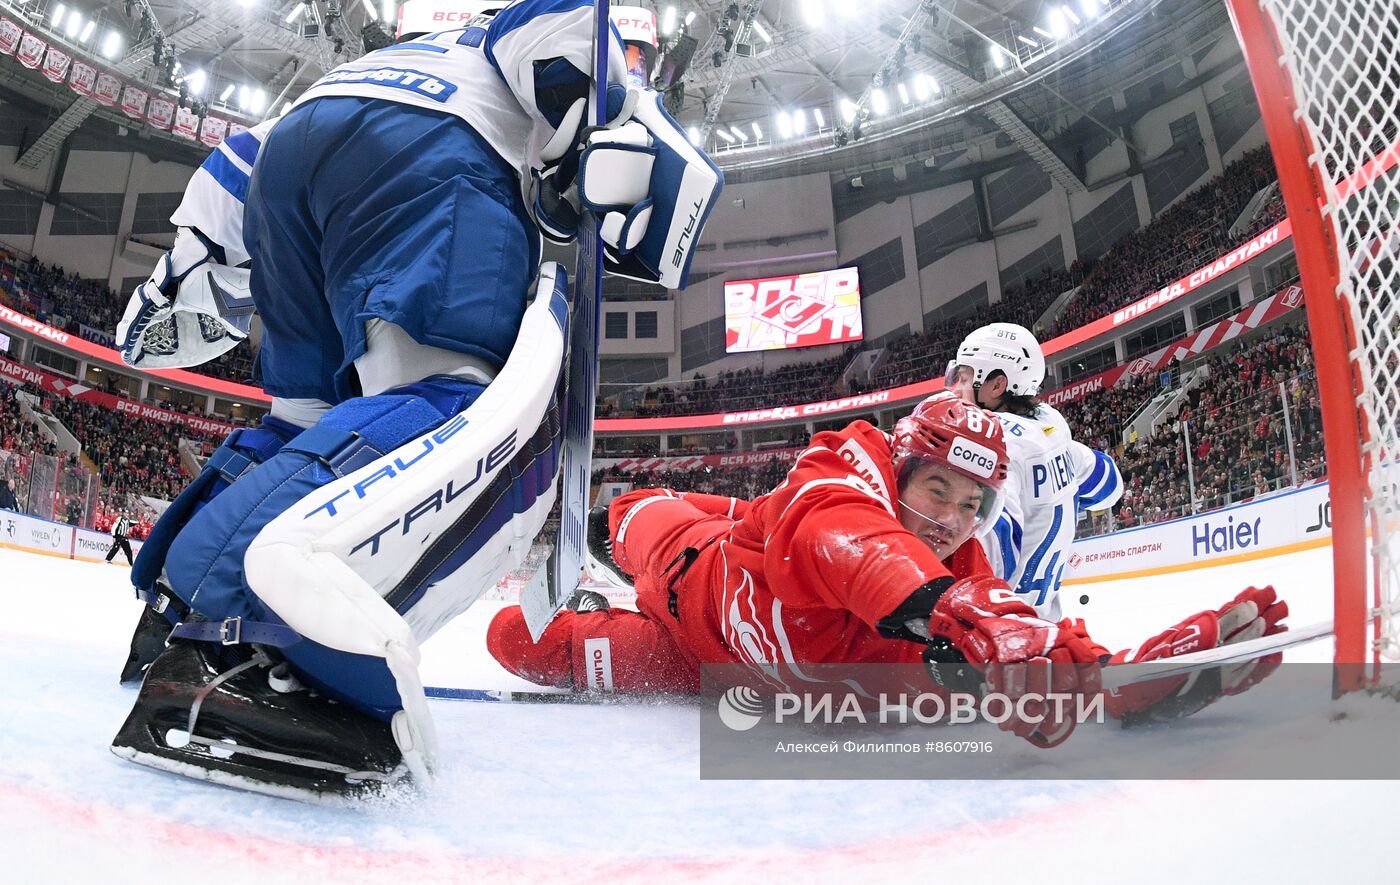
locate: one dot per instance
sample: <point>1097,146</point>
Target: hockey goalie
<point>866,553</point>
<point>387,232</point>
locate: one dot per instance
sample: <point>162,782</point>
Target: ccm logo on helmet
<point>973,457</point>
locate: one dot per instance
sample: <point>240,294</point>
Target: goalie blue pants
<point>363,209</point>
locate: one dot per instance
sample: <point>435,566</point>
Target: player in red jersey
<point>864,554</point>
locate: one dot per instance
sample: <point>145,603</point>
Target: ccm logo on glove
<point>974,456</point>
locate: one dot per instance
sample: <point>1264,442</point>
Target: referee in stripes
<point>120,529</point>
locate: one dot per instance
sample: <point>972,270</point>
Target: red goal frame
<point>1341,377</point>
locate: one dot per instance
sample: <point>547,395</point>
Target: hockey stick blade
<point>559,697</point>
<point>1117,676</point>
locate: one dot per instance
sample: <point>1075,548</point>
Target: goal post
<point>1327,80</point>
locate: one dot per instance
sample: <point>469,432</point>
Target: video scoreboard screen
<point>799,310</point>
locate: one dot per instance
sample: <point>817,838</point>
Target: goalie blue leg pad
<point>205,561</point>
<point>244,449</point>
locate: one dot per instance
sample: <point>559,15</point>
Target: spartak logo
<point>1292,296</point>
<point>1139,366</point>
<point>787,311</point>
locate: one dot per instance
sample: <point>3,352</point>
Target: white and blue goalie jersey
<point>511,77</point>
<point>1051,479</point>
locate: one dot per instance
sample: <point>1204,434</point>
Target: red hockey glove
<point>1253,613</point>
<point>1019,654</point>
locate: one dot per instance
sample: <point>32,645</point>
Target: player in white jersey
<point>1052,477</point>
<point>1000,367</point>
<point>387,232</point>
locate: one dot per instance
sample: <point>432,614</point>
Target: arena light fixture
<point>761,31</point>
<point>879,102</point>
<point>295,13</point>
<point>1069,14</point>
<point>784,123</point>
<point>757,132</point>
<point>257,101</point>
<point>693,133</point>
<point>903,93</point>
<point>112,44</point>
<point>668,21</point>
<point>921,88</point>
<point>74,25</point>
<point>690,17</point>
<point>1059,25</point>
<point>1090,8</point>
<point>228,90</point>
<point>999,57</point>
<point>1042,32</point>
<point>370,11</point>
<point>740,134</point>
<point>88,30</point>
<point>56,17</point>
<point>196,82</point>
<point>725,135</point>
<point>848,110</point>
<point>799,121</point>
<point>1028,41</point>
<point>817,114</point>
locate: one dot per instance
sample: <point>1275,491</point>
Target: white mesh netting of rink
<point>1343,57</point>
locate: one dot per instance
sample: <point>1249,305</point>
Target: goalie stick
<point>557,579</point>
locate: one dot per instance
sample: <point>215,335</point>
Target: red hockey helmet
<point>960,436</point>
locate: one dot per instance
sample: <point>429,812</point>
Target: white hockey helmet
<point>431,16</point>
<point>1004,347</point>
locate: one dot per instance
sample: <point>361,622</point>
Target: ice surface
<point>612,793</point>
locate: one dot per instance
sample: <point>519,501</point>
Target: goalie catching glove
<point>982,623</point>
<point>191,310</point>
<point>1253,613</point>
<point>639,174</point>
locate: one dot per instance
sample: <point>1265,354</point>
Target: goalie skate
<point>254,727</point>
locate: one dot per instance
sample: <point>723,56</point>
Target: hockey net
<point>1327,73</point>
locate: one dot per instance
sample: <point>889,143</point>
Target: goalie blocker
<point>320,562</point>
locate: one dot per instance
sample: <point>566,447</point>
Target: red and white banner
<point>186,124</point>
<point>1235,258</point>
<point>160,113</point>
<point>83,78</point>
<point>799,310</point>
<point>134,102</point>
<point>55,65</point>
<point>10,34</point>
<point>31,51</point>
<point>212,131</point>
<point>1252,317</point>
<point>691,462</point>
<point>234,128</point>
<point>66,387</point>
<point>108,89</point>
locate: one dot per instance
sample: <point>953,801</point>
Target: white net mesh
<point>1343,58</point>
